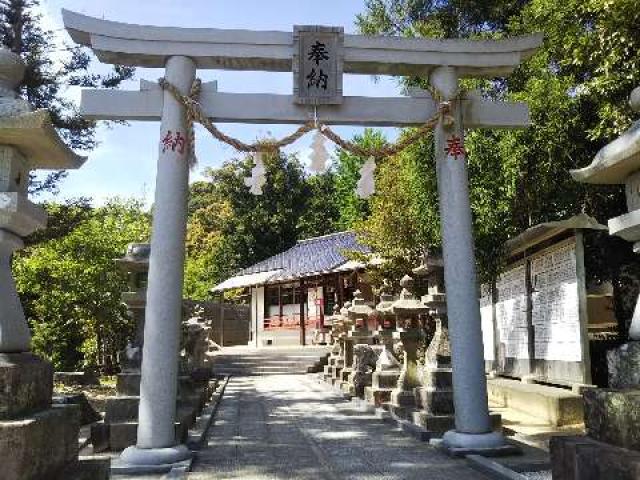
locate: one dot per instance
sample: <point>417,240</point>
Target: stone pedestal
<point>37,441</point>
<point>385,377</point>
<point>435,397</point>
<point>26,384</point>
<point>624,366</point>
<point>583,458</point>
<point>613,416</point>
<point>40,445</point>
<point>382,384</point>
<point>118,429</point>
<point>403,401</point>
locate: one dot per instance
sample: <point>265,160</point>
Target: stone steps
<point>268,361</point>
<point>550,405</point>
<point>531,430</point>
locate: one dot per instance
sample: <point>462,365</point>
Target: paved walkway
<point>292,427</point>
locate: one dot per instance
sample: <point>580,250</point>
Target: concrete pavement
<point>292,427</point>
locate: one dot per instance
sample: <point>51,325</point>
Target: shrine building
<point>293,292</point>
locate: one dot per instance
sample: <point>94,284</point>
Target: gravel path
<point>291,427</point>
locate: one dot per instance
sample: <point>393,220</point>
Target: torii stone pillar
<point>156,442</point>
<point>473,426</point>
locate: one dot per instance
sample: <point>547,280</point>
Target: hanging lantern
<point>258,177</point>
<point>319,154</point>
<point>366,185</point>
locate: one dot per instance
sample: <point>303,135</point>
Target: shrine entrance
<point>318,56</point>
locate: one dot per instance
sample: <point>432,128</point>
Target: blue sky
<point>124,163</point>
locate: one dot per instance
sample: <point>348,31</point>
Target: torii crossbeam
<point>182,50</point>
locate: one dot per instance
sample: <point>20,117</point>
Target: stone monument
<point>37,440</point>
<point>612,446</point>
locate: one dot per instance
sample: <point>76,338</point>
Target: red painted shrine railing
<point>291,322</point>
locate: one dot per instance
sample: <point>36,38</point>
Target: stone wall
<point>235,330</point>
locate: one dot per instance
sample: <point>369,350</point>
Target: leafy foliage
<point>229,228</point>
<point>70,287</point>
<point>352,209</point>
<point>576,87</point>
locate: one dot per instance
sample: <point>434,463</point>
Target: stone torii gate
<point>183,50</point>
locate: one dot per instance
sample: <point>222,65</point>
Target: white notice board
<point>555,315</point>
<point>511,313</point>
<point>486,318</point>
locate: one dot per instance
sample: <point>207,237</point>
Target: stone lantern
<point>336,327</point>
<point>611,415</point>
<point>435,397</point>
<point>355,359</point>
<point>135,264</point>
<point>343,326</point>
<point>619,163</point>
<point>385,377</point>
<point>37,441</point>
<point>407,310</point>
<point>358,315</point>
<point>386,318</point>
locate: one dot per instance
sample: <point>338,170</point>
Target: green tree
<point>48,74</point>
<point>351,208</point>
<point>230,228</point>
<point>70,287</point>
<point>576,87</point>
<point>321,212</point>
<point>437,19</point>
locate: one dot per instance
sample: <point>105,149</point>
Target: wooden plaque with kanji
<point>317,64</point>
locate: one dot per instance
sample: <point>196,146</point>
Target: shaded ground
<point>276,426</point>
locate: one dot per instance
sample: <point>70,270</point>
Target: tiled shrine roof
<point>311,257</point>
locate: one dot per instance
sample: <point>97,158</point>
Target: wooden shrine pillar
<point>303,337</point>
<point>324,289</point>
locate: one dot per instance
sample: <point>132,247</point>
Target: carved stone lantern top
<point>344,311</point>
<point>136,259</point>
<point>359,311</point>
<point>384,310</point>
<point>618,162</point>
<point>408,304</point>
<point>335,315</point>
